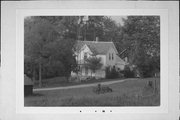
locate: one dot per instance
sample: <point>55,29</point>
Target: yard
<point>134,92</point>
<point>62,82</point>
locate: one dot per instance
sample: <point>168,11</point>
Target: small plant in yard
<point>150,84</point>
<point>102,89</point>
<point>149,89</point>
<point>93,63</point>
<point>74,79</point>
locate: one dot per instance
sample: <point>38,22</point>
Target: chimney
<point>97,39</point>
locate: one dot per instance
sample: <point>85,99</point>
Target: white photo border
<point>22,13</point>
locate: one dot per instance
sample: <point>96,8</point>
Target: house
<point>104,50</point>
<point>28,85</point>
<point>120,63</point>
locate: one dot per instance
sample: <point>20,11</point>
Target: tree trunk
<point>155,86</point>
<point>40,81</point>
<point>33,77</point>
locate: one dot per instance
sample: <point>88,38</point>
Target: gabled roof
<point>96,47</point>
<point>119,60</point>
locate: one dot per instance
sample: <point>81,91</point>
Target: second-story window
<point>112,56</point>
<point>85,56</point>
<point>109,56</point>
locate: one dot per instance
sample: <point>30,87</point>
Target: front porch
<point>84,73</point>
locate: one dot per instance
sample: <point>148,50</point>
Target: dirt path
<point>81,86</point>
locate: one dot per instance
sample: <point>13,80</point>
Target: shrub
<point>74,79</point>
<point>102,89</point>
<point>107,72</point>
<point>146,70</point>
<point>128,73</point>
<point>149,67</point>
<point>111,73</point>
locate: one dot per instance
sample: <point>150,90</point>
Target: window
<point>112,56</point>
<point>85,56</point>
<point>109,56</point>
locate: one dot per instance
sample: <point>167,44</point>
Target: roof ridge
<point>98,41</point>
<point>100,47</point>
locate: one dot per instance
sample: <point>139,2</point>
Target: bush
<point>74,79</point>
<point>149,67</point>
<point>112,73</point>
<point>102,89</point>
<point>146,71</point>
<point>128,73</point>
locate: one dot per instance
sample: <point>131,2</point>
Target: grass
<point>129,93</point>
<point>62,82</point>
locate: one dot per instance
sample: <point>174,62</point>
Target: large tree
<point>62,51</point>
<point>102,27</point>
<point>141,38</point>
<point>48,46</point>
<point>38,34</point>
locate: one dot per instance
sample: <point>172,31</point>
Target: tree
<point>93,63</point>
<point>63,51</point>
<point>102,27</point>
<point>38,34</point>
<point>141,35</point>
<point>48,47</point>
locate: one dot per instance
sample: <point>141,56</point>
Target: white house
<point>104,50</point>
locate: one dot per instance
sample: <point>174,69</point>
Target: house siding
<point>84,50</point>
<point>100,73</point>
<point>120,66</point>
<point>111,62</point>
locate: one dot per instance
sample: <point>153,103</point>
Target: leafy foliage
<point>38,34</point>
<point>112,73</point>
<point>44,52</point>
<point>141,35</point>
<point>150,67</point>
<point>93,63</point>
<point>128,73</point>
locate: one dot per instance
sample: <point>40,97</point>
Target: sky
<point>118,19</point>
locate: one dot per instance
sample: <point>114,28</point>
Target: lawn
<point>62,82</point>
<point>128,93</point>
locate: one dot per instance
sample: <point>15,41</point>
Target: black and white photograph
<point>97,60</point>
<point>92,61</point>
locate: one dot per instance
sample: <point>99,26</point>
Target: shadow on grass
<point>34,95</point>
